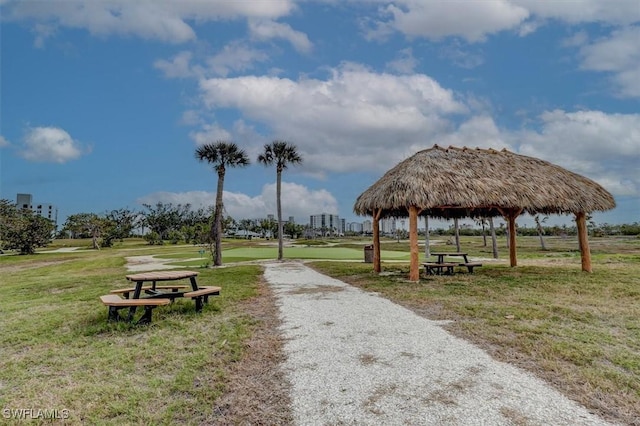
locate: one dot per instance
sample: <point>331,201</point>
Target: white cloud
<point>178,67</point>
<point>297,200</point>
<point>191,117</point>
<point>357,120</point>
<point>267,30</point>
<point>210,133</point>
<point>405,63</point>
<point>164,20</point>
<point>3,142</point>
<point>475,20</point>
<point>346,122</point>
<point>50,144</point>
<point>576,40</point>
<point>619,54</point>
<point>236,56</point>
<point>477,132</point>
<point>461,57</point>
<point>618,12</point>
<point>435,19</point>
<point>604,147</point>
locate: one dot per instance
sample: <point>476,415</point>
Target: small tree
<point>86,225</point>
<point>22,229</point>
<point>163,218</point>
<point>539,223</point>
<point>494,240</point>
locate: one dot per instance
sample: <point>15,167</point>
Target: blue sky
<point>103,102</point>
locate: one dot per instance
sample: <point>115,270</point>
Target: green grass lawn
<point>579,331</point>
<point>59,352</point>
<point>246,254</point>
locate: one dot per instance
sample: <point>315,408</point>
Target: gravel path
<point>357,358</point>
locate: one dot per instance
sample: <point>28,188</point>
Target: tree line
<point>23,230</point>
<point>161,223</point>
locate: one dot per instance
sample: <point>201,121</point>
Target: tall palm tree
<point>282,154</point>
<point>221,155</point>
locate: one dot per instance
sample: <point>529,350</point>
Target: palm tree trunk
<point>427,251</point>
<point>494,239</point>
<point>457,233</point>
<point>217,226</point>
<point>279,207</point>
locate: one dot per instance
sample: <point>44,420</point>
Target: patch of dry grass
<point>256,388</point>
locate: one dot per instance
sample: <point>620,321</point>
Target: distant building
<point>367,227</point>
<point>292,219</point>
<point>326,223</point>
<point>46,210</point>
<point>388,226</point>
<point>355,227</point>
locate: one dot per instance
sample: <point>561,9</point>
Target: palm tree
<point>221,155</point>
<point>540,229</point>
<point>282,154</point>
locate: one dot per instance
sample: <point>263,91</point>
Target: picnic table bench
<point>201,296</point>
<point>125,291</point>
<point>115,303</point>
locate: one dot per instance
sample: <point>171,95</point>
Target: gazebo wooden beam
<point>583,241</point>
<point>510,215</point>
<point>377,267</point>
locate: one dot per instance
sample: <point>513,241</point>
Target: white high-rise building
<point>46,210</point>
<point>326,223</point>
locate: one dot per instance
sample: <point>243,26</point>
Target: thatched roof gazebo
<point>461,182</point>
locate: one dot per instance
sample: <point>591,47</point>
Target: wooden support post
<point>583,241</point>
<point>376,241</point>
<point>511,216</point>
<point>513,252</point>
<point>414,271</point>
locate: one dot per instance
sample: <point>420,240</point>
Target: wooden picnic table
<point>158,276</point>
<point>155,295</point>
<point>441,267</point>
<point>442,255</point>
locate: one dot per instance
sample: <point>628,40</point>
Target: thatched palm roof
<point>463,182</point>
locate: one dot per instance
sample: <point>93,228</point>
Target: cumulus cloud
<point>237,56</point>
<point>436,19</point>
<point>209,133</point>
<point>177,67</point>
<point>346,122</point>
<point>605,147</point>
<point>617,12</point>
<point>163,20</point>
<point>405,63</point>
<point>618,54</point>
<point>50,144</point>
<point>3,142</point>
<point>357,120</point>
<point>297,201</point>
<point>267,30</point>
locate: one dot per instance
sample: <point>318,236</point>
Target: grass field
<point>581,332</point>
<point>59,352</point>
